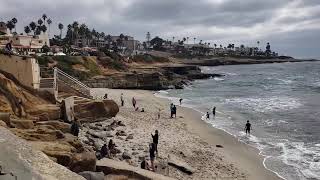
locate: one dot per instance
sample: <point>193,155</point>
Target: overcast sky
<point>291,26</point>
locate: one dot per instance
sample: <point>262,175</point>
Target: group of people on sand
<point>153,151</point>
<point>213,113</point>
<point>108,151</point>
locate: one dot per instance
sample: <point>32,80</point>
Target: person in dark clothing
<point>152,155</point>
<point>75,127</point>
<point>174,111</point>
<point>208,115</point>
<point>142,110</point>
<point>112,147</point>
<point>248,128</point>
<point>155,139</point>
<point>180,100</point>
<point>171,110</point>
<point>104,151</point>
<point>144,164</point>
<point>8,47</point>
<point>134,102</point>
<point>214,111</point>
<point>122,100</point>
<point>105,96</point>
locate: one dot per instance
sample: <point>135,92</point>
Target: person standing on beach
<point>159,112</point>
<point>121,99</point>
<point>75,127</point>
<point>152,155</point>
<point>171,110</point>
<point>155,139</point>
<point>208,115</point>
<point>134,102</point>
<point>214,111</point>
<point>105,96</point>
<point>248,128</point>
<point>174,111</point>
<point>180,100</point>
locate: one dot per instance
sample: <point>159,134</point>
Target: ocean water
<point>282,102</point>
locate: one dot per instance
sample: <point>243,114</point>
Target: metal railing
<point>70,81</point>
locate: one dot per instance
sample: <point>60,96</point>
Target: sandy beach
<point>187,137</point>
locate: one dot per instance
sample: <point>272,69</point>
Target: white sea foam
<point>218,79</point>
<point>266,104</point>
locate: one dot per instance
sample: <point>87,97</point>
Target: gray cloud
<point>292,26</point>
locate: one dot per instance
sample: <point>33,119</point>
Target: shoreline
<point>209,133</point>
<point>188,135</point>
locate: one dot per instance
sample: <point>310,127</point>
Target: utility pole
<point>148,37</point>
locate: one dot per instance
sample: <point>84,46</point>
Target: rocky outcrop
<point>92,111</point>
<point>22,124</point>
<point>24,162</point>
<point>58,125</point>
<point>112,167</point>
<point>156,78</point>
<point>89,175</point>
<point>180,164</point>
<point>17,99</point>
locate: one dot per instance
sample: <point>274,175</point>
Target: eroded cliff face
<point>151,78</point>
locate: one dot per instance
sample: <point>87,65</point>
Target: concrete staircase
<point>55,76</point>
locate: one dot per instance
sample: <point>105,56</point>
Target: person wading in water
<point>248,128</point>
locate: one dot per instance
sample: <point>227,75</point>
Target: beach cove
<point>187,137</point>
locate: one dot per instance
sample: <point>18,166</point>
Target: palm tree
<point>27,30</point>
<point>33,27</point>
<point>38,30</point>
<point>258,42</point>
<point>173,39</point>
<point>194,40</point>
<point>49,21</point>
<point>215,45</point>
<point>60,26</point>
<point>40,22</point>
<point>44,28</point>
<point>200,42</point>
<point>14,21</point>
<point>10,26</point>
<point>44,17</point>
<point>187,40</point>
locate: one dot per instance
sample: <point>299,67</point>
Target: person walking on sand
<point>105,96</point>
<point>171,110</point>
<point>214,111</point>
<point>208,115</point>
<point>134,102</point>
<point>248,128</point>
<point>180,100</point>
<point>152,155</point>
<point>155,140</point>
<point>121,99</point>
<point>174,111</point>
<point>159,112</point>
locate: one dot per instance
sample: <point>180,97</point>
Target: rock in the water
<point>89,175</point>
<point>22,124</point>
<point>180,164</point>
<point>125,155</point>
<point>219,146</point>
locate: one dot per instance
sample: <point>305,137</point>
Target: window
<point>40,41</point>
<point>17,39</point>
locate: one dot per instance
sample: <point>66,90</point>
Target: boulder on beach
<point>180,164</point>
<point>93,110</point>
<point>89,175</point>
